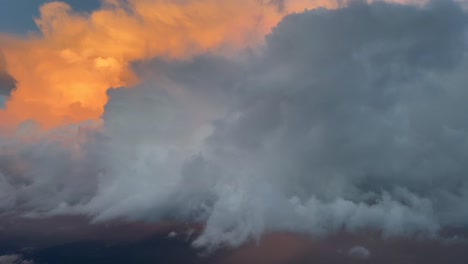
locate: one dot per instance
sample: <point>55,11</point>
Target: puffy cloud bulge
<point>348,118</point>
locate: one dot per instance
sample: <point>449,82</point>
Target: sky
<point>17,17</point>
<point>247,117</point>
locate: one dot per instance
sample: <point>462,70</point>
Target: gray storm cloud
<point>350,119</point>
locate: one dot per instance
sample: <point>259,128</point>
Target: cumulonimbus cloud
<point>346,119</point>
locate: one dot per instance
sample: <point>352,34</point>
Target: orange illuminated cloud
<point>64,72</point>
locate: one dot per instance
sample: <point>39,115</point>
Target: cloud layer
<point>348,119</point>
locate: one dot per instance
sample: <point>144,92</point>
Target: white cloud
<point>359,252</point>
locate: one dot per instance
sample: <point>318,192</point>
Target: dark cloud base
<point>147,243</point>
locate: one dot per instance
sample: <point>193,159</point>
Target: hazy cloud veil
<point>349,119</point>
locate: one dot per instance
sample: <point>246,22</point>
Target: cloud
<point>359,252</point>
<point>78,56</point>
<point>344,120</point>
<point>14,259</point>
<point>7,82</point>
<point>354,113</point>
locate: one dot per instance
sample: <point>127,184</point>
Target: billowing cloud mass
<point>347,119</point>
